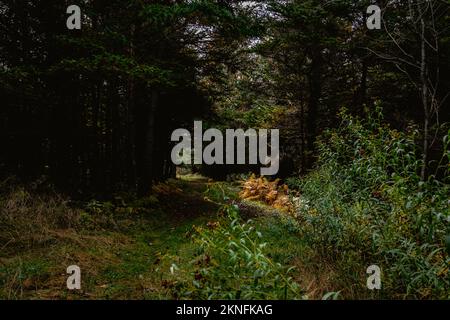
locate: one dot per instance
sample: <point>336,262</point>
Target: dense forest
<point>86,175</point>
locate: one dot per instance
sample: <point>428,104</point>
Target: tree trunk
<point>315,90</point>
<point>424,93</point>
<point>147,163</point>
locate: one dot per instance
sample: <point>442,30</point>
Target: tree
<point>96,106</point>
<point>415,31</point>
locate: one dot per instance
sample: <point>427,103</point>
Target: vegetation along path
<point>190,238</point>
<point>126,248</point>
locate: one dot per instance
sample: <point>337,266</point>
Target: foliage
<point>92,111</point>
<point>366,203</point>
<point>269,192</point>
<point>232,263</point>
<point>219,192</point>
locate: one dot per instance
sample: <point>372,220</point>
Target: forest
<point>357,104</point>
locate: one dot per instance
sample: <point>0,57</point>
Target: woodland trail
<point>121,251</point>
<point>157,239</point>
<point>127,251</point>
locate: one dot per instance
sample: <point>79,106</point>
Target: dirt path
<point>122,251</point>
<point>156,240</point>
<point>126,251</point>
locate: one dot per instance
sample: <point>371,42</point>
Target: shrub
<point>367,204</point>
<point>232,264</point>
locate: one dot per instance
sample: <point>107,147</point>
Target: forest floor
<point>129,256</point>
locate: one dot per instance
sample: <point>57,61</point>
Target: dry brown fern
<point>268,192</point>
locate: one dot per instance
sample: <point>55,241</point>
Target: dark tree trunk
<point>147,153</point>
<point>315,90</point>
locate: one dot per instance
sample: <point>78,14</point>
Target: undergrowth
<point>365,203</point>
<point>231,262</point>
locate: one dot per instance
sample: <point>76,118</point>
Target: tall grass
<point>366,204</point>
<point>28,219</point>
<point>232,263</point>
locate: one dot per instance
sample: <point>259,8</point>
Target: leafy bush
<point>365,203</point>
<point>231,264</point>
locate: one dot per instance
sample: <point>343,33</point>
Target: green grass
<point>120,256</point>
<point>129,252</point>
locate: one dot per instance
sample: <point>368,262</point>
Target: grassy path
<point>121,258</point>
<point>125,251</point>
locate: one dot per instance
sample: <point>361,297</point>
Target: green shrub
<point>367,204</point>
<point>231,263</point>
